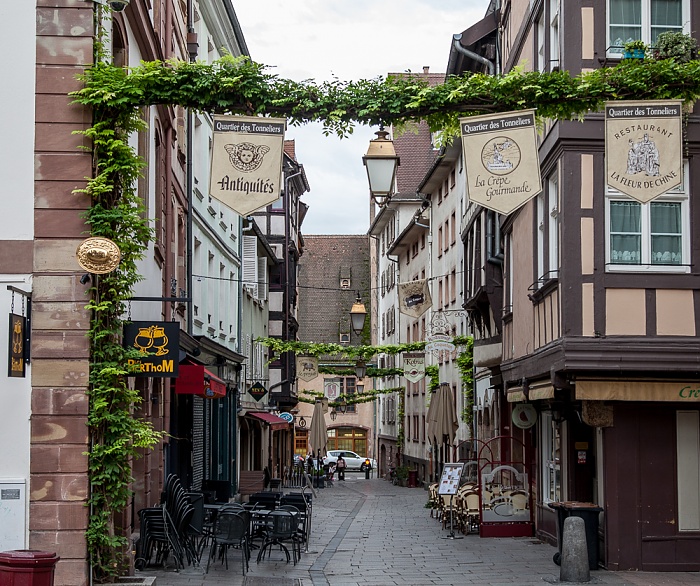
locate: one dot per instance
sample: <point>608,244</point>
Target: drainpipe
<point>192,47</point>
<point>456,38</point>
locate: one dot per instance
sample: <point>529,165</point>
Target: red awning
<point>194,379</point>
<point>275,423</point>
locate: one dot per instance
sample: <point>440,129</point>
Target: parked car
<point>352,460</point>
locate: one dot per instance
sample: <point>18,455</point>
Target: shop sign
<point>414,297</point>
<point>307,368</point>
<point>15,355</point>
<point>644,147</point>
<point>501,159</point>
<point>331,388</point>
<point>524,416</point>
<point>257,391</point>
<point>288,417</point>
<point>157,344</point>
<point>246,163</point>
<point>414,366</point>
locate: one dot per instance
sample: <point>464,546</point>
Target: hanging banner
<point>331,388</point>
<point>15,357</point>
<point>501,159</point>
<point>158,346</point>
<point>414,297</point>
<point>414,366</point>
<point>644,147</point>
<point>246,162</point>
<point>307,368</point>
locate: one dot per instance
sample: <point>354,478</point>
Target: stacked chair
<point>168,529</point>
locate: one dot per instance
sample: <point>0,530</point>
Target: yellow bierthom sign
<point>246,163</point>
<point>500,155</point>
<point>643,147</point>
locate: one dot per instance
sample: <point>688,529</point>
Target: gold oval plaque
<point>98,255</point>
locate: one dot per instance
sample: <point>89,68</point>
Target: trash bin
<point>412,478</point>
<point>27,567</point>
<point>589,513</point>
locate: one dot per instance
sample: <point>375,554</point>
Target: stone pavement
<point>369,532</point>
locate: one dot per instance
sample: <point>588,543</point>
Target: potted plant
<point>402,475</point>
<point>635,49</point>
<point>676,45</point>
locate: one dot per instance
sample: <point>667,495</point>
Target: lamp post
<point>381,162</point>
<point>358,313</point>
<point>360,369</point>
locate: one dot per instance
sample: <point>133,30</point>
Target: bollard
<point>368,468</point>
<point>574,552</point>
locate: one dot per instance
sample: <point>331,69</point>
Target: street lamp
<point>358,313</point>
<point>360,369</point>
<point>381,162</point>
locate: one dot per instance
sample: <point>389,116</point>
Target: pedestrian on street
<point>341,465</point>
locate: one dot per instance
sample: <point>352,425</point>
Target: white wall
<point>17,122</point>
<point>17,118</point>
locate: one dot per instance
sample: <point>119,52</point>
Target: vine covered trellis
<point>240,86</point>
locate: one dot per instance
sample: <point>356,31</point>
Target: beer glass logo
<point>151,341</point>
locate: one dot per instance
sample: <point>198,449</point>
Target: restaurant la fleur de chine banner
<point>644,147</point>
<point>246,164</point>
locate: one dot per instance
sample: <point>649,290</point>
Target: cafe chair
<point>282,531</point>
<point>230,530</point>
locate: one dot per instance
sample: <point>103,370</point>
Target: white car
<point>352,460</point>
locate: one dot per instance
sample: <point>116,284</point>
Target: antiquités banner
<point>414,297</point>
<point>500,156</point>
<point>246,163</point>
<point>643,147</point>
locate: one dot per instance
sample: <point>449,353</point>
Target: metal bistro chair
<point>230,530</point>
<point>282,530</point>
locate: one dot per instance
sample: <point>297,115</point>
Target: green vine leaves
<point>239,85</point>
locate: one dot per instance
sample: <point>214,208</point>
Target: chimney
<point>426,69</point>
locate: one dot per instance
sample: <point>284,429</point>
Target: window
<point>440,241</point>
<point>551,458</point>
<point>643,19</point>
<point>651,236</point>
<point>553,224</point>
<point>553,33</point>
<point>540,61</point>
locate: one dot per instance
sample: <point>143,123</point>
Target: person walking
<point>341,465</point>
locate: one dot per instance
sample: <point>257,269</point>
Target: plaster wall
<point>17,117</point>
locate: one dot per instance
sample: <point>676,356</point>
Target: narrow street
<point>369,532</point>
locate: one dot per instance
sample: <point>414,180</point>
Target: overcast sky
<point>350,40</point>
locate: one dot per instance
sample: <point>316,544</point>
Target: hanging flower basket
<point>635,50</point>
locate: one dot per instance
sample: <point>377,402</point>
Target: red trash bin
<point>27,567</point>
<point>412,478</point>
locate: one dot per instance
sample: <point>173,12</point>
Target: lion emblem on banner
<point>246,156</point>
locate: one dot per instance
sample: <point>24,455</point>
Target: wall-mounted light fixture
<point>381,162</point>
<point>358,313</point>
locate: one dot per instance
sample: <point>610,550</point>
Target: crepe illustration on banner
<point>307,367</point>
<point>414,366</point>
<point>414,297</point>
<point>501,160</point>
<point>246,162</point>
<point>644,147</point>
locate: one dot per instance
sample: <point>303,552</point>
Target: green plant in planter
<point>635,49</point>
<point>676,45</point>
<point>402,474</point>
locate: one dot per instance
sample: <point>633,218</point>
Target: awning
<point>516,395</point>
<point>194,379</point>
<point>275,423</point>
<point>540,391</point>
<point>631,390</point>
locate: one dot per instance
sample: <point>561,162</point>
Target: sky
<point>348,40</point>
